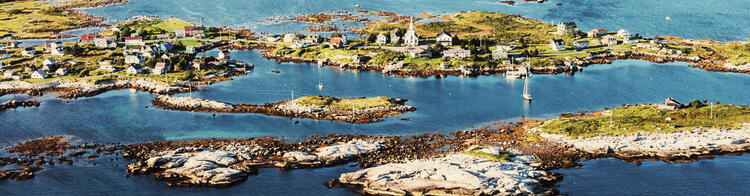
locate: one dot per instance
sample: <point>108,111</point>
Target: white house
<point>395,38</point>
<point>133,59</point>
<point>180,33</point>
<point>49,61</point>
<point>444,38</point>
<point>299,44</point>
<point>381,39</point>
<point>160,68</point>
<point>224,54</point>
<point>107,42</point>
<point>134,69</point>
<point>457,53</point>
<point>609,40</point>
<point>53,44</point>
<point>557,45</point>
<point>107,65</point>
<point>39,74</point>
<point>57,51</point>
<point>417,52</point>
<point>580,44</point>
<point>61,71</point>
<point>134,41</point>
<point>411,38</point>
<point>563,28</point>
<point>506,47</point>
<point>290,37</point>
<point>500,53</point>
<point>596,32</point>
<point>28,51</point>
<point>622,33</point>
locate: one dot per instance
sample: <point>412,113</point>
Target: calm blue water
<point>443,104</point>
<point>718,20</point>
<point>720,176</point>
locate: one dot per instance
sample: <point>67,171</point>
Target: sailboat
<point>526,94</point>
<point>320,86</point>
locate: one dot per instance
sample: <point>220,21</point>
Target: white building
<point>411,38</point>
<point>134,41</point>
<point>38,74</point>
<point>289,37</point>
<point>444,38</point>
<point>28,51</point>
<point>107,65</point>
<point>609,40</point>
<point>580,44</point>
<point>224,54</point>
<point>61,71</point>
<point>381,39</point>
<point>134,69</point>
<point>105,42</point>
<point>49,61</point>
<point>557,45</point>
<point>133,59</point>
<point>180,33</point>
<point>622,33</point>
<point>457,53</point>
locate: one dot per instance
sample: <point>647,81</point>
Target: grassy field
<point>647,118</point>
<point>33,19</point>
<point>344,104</point>
<point>173,22</point>
<point>477,151</point>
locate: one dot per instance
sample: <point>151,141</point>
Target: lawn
<point>477,151</point>
<point>174,23</point>
<point>345,104</point>
<point>629,120</point>
<point>33,19</point>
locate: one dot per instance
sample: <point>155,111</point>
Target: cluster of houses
<point>606,38</point>
<point>188,31</point>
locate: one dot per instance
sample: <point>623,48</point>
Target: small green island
<point>658,118</point>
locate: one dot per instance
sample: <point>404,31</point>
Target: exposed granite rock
<point>663,145</point>
<point>334,154</point>
<point>191,167</point>
<point>453,174</point>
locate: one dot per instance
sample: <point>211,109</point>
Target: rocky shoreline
<point>16,104</point>
<point>683,146</point>
<point>417,164</point>
<point>580,64</point>
<point>67,89</point>
<point>283,108</point>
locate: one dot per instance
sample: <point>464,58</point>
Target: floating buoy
<point>669,18</point>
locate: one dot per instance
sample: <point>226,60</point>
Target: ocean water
<point>717,20</point>
<point>443,105</point>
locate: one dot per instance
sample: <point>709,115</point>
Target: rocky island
<point>353,110</point>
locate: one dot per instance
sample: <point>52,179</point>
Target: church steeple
<point>411,24</point>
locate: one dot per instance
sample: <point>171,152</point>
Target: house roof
<point>134,38</point>
<point>443,33</point>
<point>160,65</point>
<point>598,30</point>
<point>558,42</point>
<point>336,41</point>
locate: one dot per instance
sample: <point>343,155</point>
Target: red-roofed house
<point>134,41</point>
<point>87,38</point>
<point>596,32</point>
<point>336,42</point>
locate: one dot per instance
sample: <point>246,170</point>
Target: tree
<point>77,50</point>
<point>371,38</point>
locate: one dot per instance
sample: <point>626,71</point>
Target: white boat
<point>320,86</point>
<point>526,94</point>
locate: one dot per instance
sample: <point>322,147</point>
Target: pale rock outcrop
<point>191,167</point>
<point>337,152</point>
<point>456,174</point>
<point>685,143</point>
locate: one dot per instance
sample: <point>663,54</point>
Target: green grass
<point>33,19</point>
<point>736,53</point>
<point>173,22</point>
<point>629,120</point>
<point>345,104</point>
<point>193,43</point>
<point>477,151</point>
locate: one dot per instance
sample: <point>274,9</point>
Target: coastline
<point>282,108</point>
